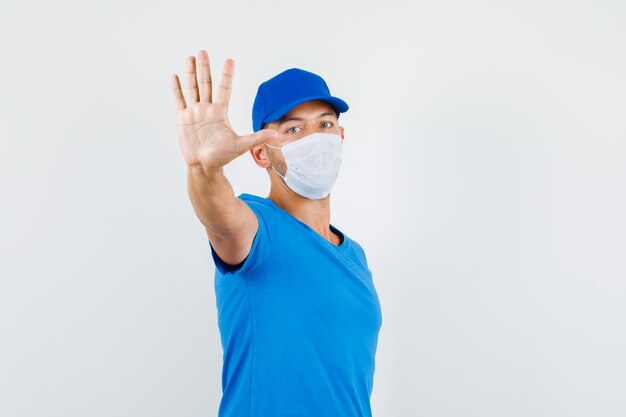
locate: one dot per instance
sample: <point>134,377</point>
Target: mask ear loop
<point>272,166</point>
<point>272,146</point>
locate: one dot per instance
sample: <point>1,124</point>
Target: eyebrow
<point>283,120</point>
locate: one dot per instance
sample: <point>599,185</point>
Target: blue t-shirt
<point>299,321</point>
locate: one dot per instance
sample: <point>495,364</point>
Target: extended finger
<point>204,76</point>
<point>226,82</point>
<point>192,83</point>
<point>244,143</point>
<point>179,100</point>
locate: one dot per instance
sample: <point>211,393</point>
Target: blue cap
<point>276,96</point>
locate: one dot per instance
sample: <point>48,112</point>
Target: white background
<point>484,177</point>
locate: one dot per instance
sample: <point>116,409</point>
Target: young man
<point>298,312</point>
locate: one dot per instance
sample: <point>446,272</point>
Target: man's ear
<point>341,129</point>
<point>259,154</point>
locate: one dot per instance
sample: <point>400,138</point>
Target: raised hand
<point>205,136</point>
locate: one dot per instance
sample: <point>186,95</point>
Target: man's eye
<point>327,124</point>
<point>293,129</point>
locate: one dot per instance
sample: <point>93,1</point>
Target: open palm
<point>204,133</point>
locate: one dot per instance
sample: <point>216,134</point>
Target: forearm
<point>215,203</point>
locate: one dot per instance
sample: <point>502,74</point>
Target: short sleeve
<point>264,239</point>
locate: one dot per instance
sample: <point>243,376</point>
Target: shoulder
<point>258,203</point>
<point>264,239</point>
<point>251,197</point>
<point>264,209</point>
<point>356,248</point>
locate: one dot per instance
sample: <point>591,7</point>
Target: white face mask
<point>312,164</point>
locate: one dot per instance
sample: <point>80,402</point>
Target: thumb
<point>249,141</point>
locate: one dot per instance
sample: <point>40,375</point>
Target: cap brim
<point>338,104</point>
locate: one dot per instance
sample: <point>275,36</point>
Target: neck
<point>313,213</point>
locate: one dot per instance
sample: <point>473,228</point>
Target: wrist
<point>204,171</point>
